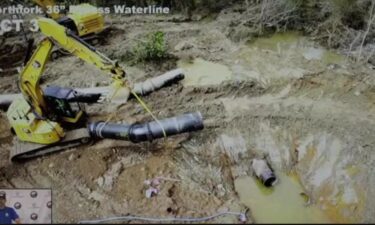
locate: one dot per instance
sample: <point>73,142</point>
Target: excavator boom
<point>76,46</point>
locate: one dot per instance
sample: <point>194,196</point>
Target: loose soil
<point>308,111</point>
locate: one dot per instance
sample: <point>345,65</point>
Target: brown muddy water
<point>283,203</point>
<point>200,72</point>
<point>284,42</point>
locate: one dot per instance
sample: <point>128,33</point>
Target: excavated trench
<point>307,110</point>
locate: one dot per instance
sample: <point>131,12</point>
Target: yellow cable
<point>143,104</point>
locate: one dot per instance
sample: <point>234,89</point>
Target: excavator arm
<point>28,115</point>
<point>30,76</point>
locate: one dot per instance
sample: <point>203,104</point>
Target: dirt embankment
<point>306,114</point>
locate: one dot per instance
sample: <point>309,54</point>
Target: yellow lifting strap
<point>145,107</point>
<point>143,104</point>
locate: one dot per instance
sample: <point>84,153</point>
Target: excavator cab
<point>61,106</point>
<point>66,104</point>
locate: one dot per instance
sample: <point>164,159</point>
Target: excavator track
<point>23,151</point>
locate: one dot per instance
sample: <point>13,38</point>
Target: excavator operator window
<point>63,108</point>
<point>69,23</point>
<point>58,102</point>
<point>75,107</point>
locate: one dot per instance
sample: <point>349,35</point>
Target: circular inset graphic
<point>33,194</point>
<point>34,216</point>
<point>49,204</point>
<point>17,205</point>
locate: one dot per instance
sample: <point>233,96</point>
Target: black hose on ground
<point>147,131</point>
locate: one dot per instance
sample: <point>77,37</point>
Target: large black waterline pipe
<point>147,131</point>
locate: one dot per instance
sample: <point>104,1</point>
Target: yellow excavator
<point>86,22</point>
<point>53,119</point>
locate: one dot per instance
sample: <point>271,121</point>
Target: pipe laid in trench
<point>147,131</point>
<point>141,88</point>
<point>155,83</point>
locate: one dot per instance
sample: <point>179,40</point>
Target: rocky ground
<point>307,112</point>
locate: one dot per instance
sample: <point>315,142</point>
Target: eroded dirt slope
<point>306,114</point>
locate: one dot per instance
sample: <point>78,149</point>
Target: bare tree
<point>370,22</point>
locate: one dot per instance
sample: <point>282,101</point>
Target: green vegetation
<point>348,25</point>
<point>154,48</point>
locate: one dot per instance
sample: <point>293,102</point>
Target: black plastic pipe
<point>148,131</point>
<point>264,172</point>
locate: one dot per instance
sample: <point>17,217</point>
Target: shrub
<point>154,48</point>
